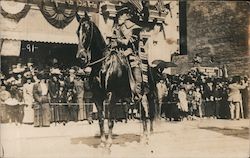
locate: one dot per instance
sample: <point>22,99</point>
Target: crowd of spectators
<point>196,95</point>
<point>39,96</point>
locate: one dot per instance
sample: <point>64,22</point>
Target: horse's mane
<point>98,42</point>
<point>97,47</point>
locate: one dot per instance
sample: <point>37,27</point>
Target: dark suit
<point>41,107</point>
<point>209,101</point>
<point>53,87</point>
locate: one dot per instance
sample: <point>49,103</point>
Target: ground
<point>199,138</point>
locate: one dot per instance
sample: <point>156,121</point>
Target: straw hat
<point>55,71</point>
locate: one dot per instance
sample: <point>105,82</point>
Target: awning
<point>34,27</point>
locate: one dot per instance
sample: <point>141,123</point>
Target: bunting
<point>14,10</point>
<point>58,17</point>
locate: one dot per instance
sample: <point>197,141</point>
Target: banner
<point>14,10</point>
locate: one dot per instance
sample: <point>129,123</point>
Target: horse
<point>109,77</point>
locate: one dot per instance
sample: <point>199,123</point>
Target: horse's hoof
<point>109,143</point>
<point>101,145</point>
<point>151,130</point>
<point>103,139</point>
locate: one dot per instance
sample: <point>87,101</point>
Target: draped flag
<point>14,10</point>
<point>137,4</point>
<point>58,17</point>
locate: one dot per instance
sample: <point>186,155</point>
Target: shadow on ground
<point>242,133</point>
<point>94,141</point>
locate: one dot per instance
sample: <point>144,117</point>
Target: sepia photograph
<point>124,78</point>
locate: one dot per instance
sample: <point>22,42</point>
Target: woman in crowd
<point>190,103</point>
<point>71,96</point>
<point>183,103</point>
<point>62,100</point>
<point>53,89</point>
<point>28,101</point>
<point>197,102</point>
<point>79,91</point>
<point>41,97</point>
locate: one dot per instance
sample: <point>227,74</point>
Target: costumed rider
<point>128,37</point>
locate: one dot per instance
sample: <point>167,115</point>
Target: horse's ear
<point>78,18</point>
<point>86,16</point>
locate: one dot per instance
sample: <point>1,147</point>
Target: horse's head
<point>85,35</point>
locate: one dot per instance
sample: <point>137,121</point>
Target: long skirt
<point>73,113</point>
<point>42,115</point>
<point>15,113</point>
<point>82,109</point>
<point>210,109</point>
<point>28,114</point>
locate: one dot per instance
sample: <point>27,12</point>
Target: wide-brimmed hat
<point>27,75</point>
<point>71,71</point>
<point>18,70</point>
<point>87,69</point>
<point>42,75</point>
<point>55,71</point>
<point>80,72</point>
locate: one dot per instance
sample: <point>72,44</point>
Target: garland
<point>18,16</point>
<point>58,17</point>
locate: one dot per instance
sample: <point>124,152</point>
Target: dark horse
<point>109,77</point>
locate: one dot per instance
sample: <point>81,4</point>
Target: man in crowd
<point>162,92</point>
<point>235,97</point>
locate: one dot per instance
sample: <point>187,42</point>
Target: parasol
<point>163,64</point>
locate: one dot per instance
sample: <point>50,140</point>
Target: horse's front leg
<point>111,125</point>
<point>144,137</point>
<point>99,106</point>
<point>111,103</point>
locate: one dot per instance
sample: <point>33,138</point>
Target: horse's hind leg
<point>151,126</point>
<point>144,137</point>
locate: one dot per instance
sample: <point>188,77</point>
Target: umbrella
<point>163,64</point>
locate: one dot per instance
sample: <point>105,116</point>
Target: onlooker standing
<point>28,101</point>
<point>62,99</point>
<point>197,102</point>
<point>53,87</point>
<point>190,99</point>
<point>183,103</point>
<point>69,84</point>
<point>79,91</point>
<point>4,94</point>
<point>245,97</point>
<point>88,102</point>
<point>234,97</point>
<point>217,98</point>
<point>42,107</point>
<point>162,92</point>
<point>209,99</point>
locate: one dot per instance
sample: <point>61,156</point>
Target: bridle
<point>88,48</point>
